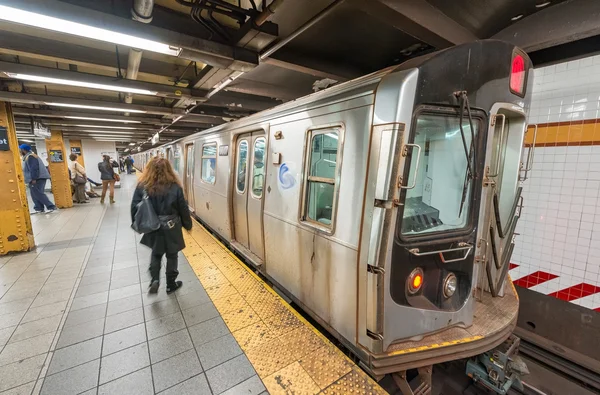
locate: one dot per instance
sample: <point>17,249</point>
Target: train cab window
<point>209,162</point>
<point>322,171</point>
<point>258,167</point>
<point>241,169</point>
<point>438,197</point>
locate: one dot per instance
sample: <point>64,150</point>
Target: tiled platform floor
<point>75,318</point>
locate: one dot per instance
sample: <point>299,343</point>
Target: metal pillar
<point>77,148</point>
<point>59,170</point>
<point>16,234</point>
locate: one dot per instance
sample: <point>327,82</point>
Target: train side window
<point>320,188</point>
<point>258,167</point>
<point>241,166</point>
<point>209,162</point>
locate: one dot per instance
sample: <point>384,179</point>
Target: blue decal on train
<point>286,179</point>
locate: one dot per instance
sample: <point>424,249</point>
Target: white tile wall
<point>560,224</point>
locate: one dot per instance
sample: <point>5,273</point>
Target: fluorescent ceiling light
<point>101,119</point>
<point>131,143</point>
<point>16,15</point>
<point>105,127</point>
<point>93,107</point>
<point>82,84</point>
<point>27,141</point>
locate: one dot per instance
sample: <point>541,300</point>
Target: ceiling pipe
<point>311,22</point>
<point>267,12</point>
<point>141,12</point>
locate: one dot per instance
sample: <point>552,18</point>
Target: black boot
<point>153,287</point>
<point>174,286</point>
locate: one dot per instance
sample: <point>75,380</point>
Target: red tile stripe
<point>512,266</point>
<point>576,292</point>
<point>597,309</point>
<point>534,279</point>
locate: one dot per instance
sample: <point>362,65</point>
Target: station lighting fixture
<point>106,127</point>
<point>131,144</point>
<point>101,119</point>
<point>516,17</point>
<point>11,14</point>
<point>542,5</point>
<point>27,141</point>
<point>81,84</point>
<point>102,108</point>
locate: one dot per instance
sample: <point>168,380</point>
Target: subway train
<point>385,207</point>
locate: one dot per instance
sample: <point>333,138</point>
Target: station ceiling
<point>225,59</point>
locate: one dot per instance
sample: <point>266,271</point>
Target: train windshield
<point>440,199</point>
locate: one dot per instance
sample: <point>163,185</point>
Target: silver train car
<point>385,207</point>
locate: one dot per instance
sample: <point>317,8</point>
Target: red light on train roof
<point>517,75</point>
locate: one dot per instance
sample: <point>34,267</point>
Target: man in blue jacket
<point>36,174</point>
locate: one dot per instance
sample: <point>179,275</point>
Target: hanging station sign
<point>39,129</point>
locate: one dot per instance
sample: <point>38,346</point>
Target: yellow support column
<point>76,148</point>
<point>16,234</point>
<point>59,170</point>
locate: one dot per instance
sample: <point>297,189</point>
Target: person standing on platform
<point>160,184</point>
<point>128,163</point>
<point>79,179</point>
<point>36,174</point>
<point>107,175</point>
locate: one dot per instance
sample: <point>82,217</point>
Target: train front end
<point>443,197</point>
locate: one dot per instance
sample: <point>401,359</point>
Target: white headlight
<point>450,284</point>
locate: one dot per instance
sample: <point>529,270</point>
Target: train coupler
<point>499,369</point>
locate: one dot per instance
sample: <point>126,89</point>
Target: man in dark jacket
<point>36,174</point>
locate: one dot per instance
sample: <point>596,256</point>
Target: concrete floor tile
<point>85,290</point>
<point>124,292</point>
<point>89,300</point>
<point>124,362</point>
<point>85,315</point>
<point>54,296</point>
<point>252,386</point>
<point>218,351</point>
<point>37,313</point>
<point>208,331</point>
<point>5,335</point>
<point>229,374</point>
<point>11,319</point>
<point>78,333</point>
<point>73,381</point>
<point>164,325</point>
<point>36,328</point>
<point>125,304</point>
<point>14,306</point>
<point>98,278</point>
<point>14,352</point>
<point>77,354</point>
<point>169,345</point>
<point>124,320</point>
<point>137,383</point>
<point>21,390</point>
<point>193,299</point>
<point>161,309</point>
<point>176,369</point>
<point>124,338</point>
<point>201,313</point>
<point>197,385</point>
<point>19,373</point>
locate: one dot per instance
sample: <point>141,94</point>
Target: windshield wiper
<point>470,174</point>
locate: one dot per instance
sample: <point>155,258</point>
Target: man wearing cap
<point>36,174</point>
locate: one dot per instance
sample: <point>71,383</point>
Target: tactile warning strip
<point>287,352</point>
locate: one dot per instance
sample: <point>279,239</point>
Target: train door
<point>188,181</point>
<point>503,195</point>
<point>248,187</point>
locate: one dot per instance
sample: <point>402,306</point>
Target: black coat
<point>106,171</point>
<point>172,202</point>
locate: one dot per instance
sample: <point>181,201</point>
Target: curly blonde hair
<point>158,176</point>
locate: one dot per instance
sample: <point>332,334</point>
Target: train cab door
<point>188,181</point>
<point>503,194</point>
<point>248,191</point>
